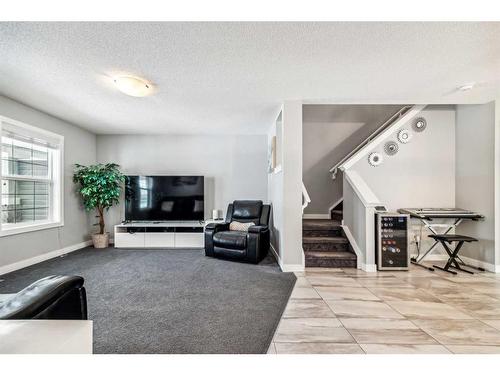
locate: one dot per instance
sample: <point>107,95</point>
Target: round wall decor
<point>375,159</point>
<point>391,148</point>
<point>404,136</point>
<point>419,125</point>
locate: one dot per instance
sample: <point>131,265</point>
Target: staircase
<point>323,240</point>
<point>379,131</point>
<point>325,245</point>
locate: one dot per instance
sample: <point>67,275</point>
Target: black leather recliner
<point>53,297</point>
<point>251,246</point>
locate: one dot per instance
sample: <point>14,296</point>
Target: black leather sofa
<point>251,246</point>
<point>53,297</point>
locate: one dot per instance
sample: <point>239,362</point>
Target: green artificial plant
<point>100,186</point>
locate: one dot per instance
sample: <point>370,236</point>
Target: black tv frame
<point>179,204</point>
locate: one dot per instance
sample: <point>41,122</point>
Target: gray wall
<point>475,176</point>
<point>422,173</point>
<point>329,133</point>
<point>234,166</point>
<point>323,146</point>
<point>79,147</point>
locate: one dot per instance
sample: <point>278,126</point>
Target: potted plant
<point>100,186</point>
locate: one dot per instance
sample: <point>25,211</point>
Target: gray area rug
<point>172,301</point>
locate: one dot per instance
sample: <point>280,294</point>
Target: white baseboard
<point>316,216</point>
<point>369,267</point>
<point>473,262</point>
<point>355,247</point>
<point>42,257</point>
<point>479,263</point>
<point>275,253</point>
<point>287,267</point>
<point>292,267</point>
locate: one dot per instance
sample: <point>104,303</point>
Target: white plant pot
<point>101,241</point>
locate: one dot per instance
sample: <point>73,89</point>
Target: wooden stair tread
<point>310,239</point>
<point>320,224</point>
<point>337,254</point>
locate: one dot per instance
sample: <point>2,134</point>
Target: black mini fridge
<point>392,241</point>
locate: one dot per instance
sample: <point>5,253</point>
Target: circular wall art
<point>419,125</point>
<point>375,159</point>
<point>391,148</point>
<point>404,136</point>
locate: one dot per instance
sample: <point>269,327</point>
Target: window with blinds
<point>30,178</point>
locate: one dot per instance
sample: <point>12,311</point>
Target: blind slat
<point>27,135</point>
<point>33,141</point>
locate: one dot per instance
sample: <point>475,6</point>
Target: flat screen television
<point>164,198</point>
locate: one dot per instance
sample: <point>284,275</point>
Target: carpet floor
<point>171,301</point>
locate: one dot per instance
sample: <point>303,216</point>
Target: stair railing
<point>380,129</point>
<point>306,199</point>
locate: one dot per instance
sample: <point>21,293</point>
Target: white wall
<point>285,191</point>
<point>358,220</point>
<point>293,255</point>
<point>234,166</point>
<point>475,176</point>
<point>497,185</point>
<point>79,147</point>
<point>354,211</point>
<point>275,191</point>
<point>422,173</point>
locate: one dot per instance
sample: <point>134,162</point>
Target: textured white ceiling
<point>232,77</point>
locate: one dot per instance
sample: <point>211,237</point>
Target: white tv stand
<point>158,234</point>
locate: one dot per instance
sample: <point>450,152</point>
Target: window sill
<point>28,228</point>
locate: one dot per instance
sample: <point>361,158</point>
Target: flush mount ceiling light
<point>467,87</point>
<point>133,86</point>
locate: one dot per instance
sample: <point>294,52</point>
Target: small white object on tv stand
<point>160,235</point>
<point>210,221</point>
<point>215,214</point>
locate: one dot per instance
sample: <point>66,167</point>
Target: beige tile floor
<point>348,311</point>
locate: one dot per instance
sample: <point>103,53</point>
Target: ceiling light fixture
<point>133,86</point>
<point>467,87</point>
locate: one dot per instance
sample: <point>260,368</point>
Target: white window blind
<point>30,179</point>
